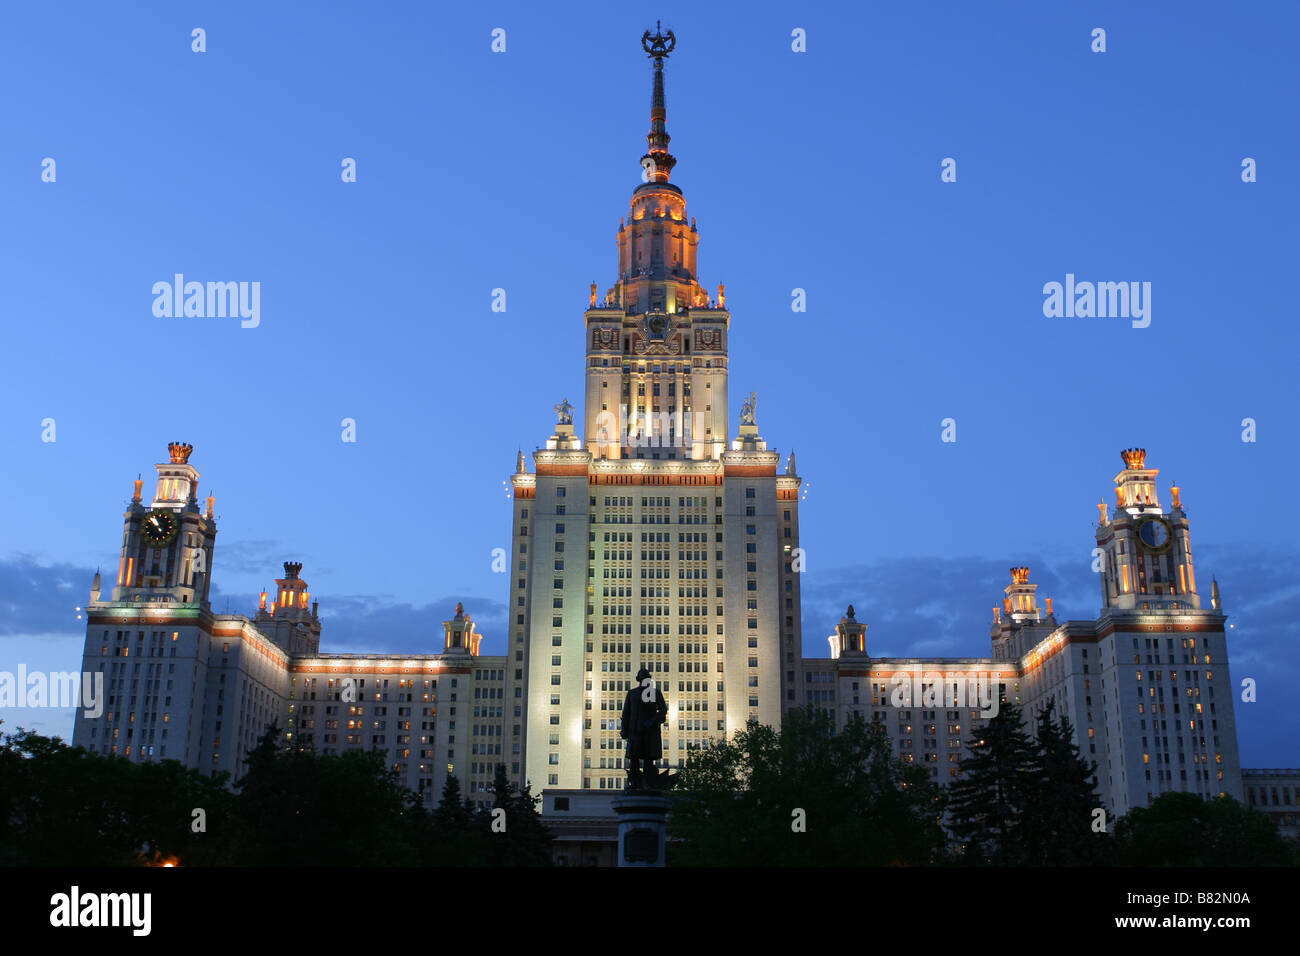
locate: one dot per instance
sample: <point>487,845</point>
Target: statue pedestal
<point>642,817</point>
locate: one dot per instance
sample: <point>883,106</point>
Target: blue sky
<point>818,170</point>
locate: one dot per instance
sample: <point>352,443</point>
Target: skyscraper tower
<point>656,539</point>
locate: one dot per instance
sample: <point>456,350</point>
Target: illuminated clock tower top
<point>1146,551</point>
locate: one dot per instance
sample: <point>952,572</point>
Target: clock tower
<point>1145,550</point>
<point>167,546</point>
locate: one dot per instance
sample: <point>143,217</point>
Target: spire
<point>1215,601</point>
<point>657,161</point>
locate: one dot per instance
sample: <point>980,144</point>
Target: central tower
<point>656,539</point>
<point>656,344</point>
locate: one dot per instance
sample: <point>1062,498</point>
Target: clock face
<point>1155,534</point>
<point>658,325</point>
<point>159,528</point>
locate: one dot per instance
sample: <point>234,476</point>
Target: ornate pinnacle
<point>1134,458</point>
<point>659,45</point>
<point>657,161</point>
<point>179,452</point>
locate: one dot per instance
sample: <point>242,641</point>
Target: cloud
<point>375,624</point>
<point>36,598</point>
<point>255,556</point>
<point>923,607</point>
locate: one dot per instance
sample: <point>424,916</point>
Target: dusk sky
<point>817,170</point>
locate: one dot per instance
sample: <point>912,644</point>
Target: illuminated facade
<point>202,688</point>
<point>1145,685</point>
<point>661,540</point>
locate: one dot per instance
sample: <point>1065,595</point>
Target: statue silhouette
<point>644,711</point>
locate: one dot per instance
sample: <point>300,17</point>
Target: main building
<point>660,539</point>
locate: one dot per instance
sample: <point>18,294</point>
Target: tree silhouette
<point>804,795</point>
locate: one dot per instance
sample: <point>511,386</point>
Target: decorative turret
<point>459,634</point>
<point>1018,624</point>
<point>292,619</point>
<point>850,638</point>
<point>1135,486</point>
<point>176,478</point>
<point>1019,603</point>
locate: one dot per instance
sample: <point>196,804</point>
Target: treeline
<point>808,795</point>
<point>803,795</point>
<point>65,806</point>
